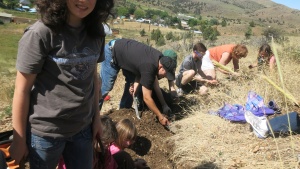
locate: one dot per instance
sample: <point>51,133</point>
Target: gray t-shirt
<point>61,100</point>
<point>189,63</point>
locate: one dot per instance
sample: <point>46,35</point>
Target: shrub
<point>161,41</point>
<point>248,33</point>
<point>143,32</point>
<point>169,36</point>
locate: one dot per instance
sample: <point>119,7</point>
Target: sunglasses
<point>200,55</point>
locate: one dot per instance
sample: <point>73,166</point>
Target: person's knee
<point>203,90</point>
<point>187,76</point>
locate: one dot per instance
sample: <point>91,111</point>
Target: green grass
<point>20,14</point>
<point>10,35</point>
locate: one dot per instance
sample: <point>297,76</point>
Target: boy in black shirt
<point>141,64</point>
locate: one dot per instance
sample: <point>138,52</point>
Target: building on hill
<point>184,17</point>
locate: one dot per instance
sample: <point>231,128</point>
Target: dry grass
<point>206,141</point>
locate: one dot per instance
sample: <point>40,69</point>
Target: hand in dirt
<point>140,164</point>
<point>18,149</point>
<point>236,74</point>
<point>164,121</point>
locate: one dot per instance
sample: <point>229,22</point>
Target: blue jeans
<point>108,74</point>
<point>77,151</point>
<point>280,124</point>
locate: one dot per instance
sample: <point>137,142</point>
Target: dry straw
<point>222,67</point>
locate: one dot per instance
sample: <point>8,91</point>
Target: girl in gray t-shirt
<point>55,105</point>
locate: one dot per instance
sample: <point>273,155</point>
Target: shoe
<point>179,92</point>
<point>259,124</point>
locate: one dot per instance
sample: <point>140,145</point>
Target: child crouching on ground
<point>103,159</point>
<point>126,136</point>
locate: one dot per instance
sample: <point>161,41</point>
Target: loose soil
<point>152,143</point>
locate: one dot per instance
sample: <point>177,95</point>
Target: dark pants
<point>189,87</point>
<point>143,106</point>
<point>280,124</point>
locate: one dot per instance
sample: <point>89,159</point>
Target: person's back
<point>216,52</point>
<point>134,56</point>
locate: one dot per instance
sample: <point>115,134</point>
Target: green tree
<point>224,23</point>
<point>273,32</point>
<point>156,34</point>
<point>139,13</point>
<point>214,21</point>
<point>210,33</point>
<point>192,22</point>
<point>122,11</point>
<point>169,36</point>
<point>248,33</point>
<point>161,41</point>
<point>11,3</point>
<point>143,32</point>
<point>252,24</point>
<point>132,8</point>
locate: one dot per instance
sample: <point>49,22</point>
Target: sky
<point>295,4</point>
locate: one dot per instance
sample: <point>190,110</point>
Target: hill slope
<point>263,12</point>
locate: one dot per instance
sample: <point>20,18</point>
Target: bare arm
<point>172,88</point>
<point>272,63</point>
<point>236,65</point>
<point>97,130</point>
<point>253,65</point>
<point>151,105</point>
<point>20,108</point>
<point>158,92</point>
<point>225,59</point>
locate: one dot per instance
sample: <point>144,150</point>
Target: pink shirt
<point>114,149</point>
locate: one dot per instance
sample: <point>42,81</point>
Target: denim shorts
<point>77,151</point>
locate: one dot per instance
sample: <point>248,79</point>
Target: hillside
<point>263,12</point>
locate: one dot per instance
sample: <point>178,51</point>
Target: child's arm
<point>253,65</point>
<point>20,107</point>
<point>272,62</point>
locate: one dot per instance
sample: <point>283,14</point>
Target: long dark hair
<point>54,15</point>
<point>267,49</point>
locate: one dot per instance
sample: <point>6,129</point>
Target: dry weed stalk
<point>222,67</point>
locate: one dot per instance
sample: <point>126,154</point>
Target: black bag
<point>5,159</point>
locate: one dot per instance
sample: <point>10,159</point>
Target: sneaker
<point>259,124</point>
<point>179,92</point>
